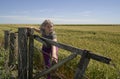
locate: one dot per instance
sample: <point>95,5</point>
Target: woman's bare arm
<point>37,30</point>
<point>54,53</point>
<point>34,28</point>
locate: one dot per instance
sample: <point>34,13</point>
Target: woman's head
<point>46,26</point>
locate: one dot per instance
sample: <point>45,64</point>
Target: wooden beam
<point>60,45</point>
<point>6,39</point>
<point>30,53</point>
<point>74,49</point>
<point>12,49</point>
<point>84,61</point>
<point>22,53</point>
<point>46,71</point>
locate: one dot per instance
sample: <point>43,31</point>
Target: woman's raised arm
<point>37,30</point>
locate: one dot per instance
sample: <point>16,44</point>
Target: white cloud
<point>72,20</point>
<point>83,13</point>
<point>32,11</point>
<point>44,10</point>
<point>20,12</point>
<point>87,12</point>
<point>19,17</point>
<point>12,16</point>
<point>55,19</point>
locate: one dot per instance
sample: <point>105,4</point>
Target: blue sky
<point>60,11</point>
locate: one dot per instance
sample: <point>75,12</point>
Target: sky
<point>60,11</point>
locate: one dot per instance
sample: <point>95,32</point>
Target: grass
<point>101,40</point>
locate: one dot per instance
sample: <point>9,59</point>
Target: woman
<point>48,50</point>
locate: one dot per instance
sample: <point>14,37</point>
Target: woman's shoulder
<point>53,34</point>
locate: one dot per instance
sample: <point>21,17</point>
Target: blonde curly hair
<point>45,23</point>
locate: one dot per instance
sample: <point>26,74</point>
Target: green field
<point>101,40</point>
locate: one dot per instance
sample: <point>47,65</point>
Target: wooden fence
<point>25,54</point>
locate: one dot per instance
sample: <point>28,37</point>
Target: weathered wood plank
<point>6,39</point>
<point>16,47</point>
<point>99,58</point>
<point>30,56</point>
<point>84,61</point>
<point>12,49</point>
<point>22,53</point>
<point>73,49</point>
<point>60,45</point>
<point>46,71</point>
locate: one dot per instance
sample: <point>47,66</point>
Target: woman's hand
<point>31,27</point>
<point>55,58</point>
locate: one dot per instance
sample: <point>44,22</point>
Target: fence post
<point>30,53</point>
<point>82,65</point>
<point>12,49</point>
<point>22,53</point>
<point>6,39</point>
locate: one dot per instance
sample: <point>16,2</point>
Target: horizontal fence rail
<point>73,49</point>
